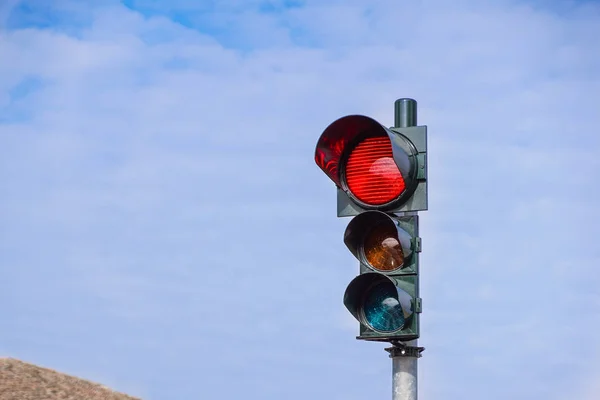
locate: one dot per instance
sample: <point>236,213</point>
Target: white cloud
<point>150,178</point>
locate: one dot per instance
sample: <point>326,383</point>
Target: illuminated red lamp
<point>371,173</point>
<point>373,165</point>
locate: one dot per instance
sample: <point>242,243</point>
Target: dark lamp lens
<point>382,249</point>
<point>382,309</point>
<point>371,173</point>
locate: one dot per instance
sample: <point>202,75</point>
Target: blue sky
<point>165,231</point>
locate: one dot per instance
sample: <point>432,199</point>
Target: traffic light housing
<point>381,180</point>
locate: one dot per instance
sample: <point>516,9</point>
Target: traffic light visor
<point>334,141</point>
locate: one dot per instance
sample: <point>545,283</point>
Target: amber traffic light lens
<point>382,248</point>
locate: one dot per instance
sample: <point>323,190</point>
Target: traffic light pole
<point>404,355</point>
<point>381,178</point>
<point>404,369</point>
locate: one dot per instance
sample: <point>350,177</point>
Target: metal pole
<point>404,363</point>
<point>404,378</point>
<point>404,371</point>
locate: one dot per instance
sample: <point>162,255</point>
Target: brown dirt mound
<point>23,381</point>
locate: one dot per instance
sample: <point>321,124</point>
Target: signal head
<point>383,243</point>
<point>377,168</point>
<point>380,305</point>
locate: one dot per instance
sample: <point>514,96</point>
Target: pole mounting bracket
<point>400,349</point>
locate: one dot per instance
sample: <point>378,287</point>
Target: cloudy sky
<point>165,231</point>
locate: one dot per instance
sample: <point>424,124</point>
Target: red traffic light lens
<point>371,172</point>
<point>382,249</point>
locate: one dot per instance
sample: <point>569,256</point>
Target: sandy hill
<point>23,381</point>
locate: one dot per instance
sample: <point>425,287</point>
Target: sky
<point>165,231</point>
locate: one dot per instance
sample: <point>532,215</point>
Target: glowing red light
<point>371,173</point>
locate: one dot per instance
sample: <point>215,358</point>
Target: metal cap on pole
<point>405,113</point>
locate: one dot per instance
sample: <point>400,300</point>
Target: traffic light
<point>381,179</point>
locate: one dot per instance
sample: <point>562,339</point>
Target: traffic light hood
<point>333,142</point>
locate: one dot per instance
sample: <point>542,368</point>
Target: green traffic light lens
<point>382,310</point>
